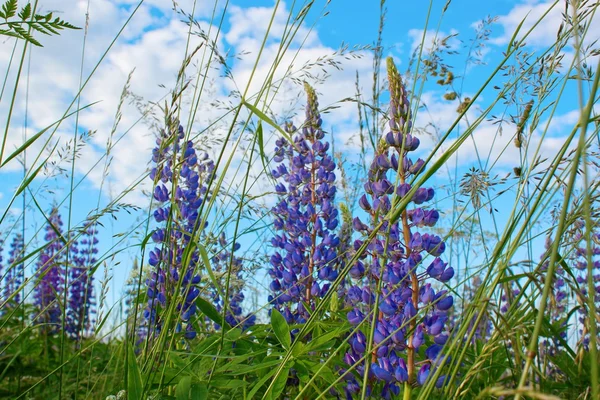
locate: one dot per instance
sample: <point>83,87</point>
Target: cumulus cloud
<point>545,33</point>
<point>154,44</point>
<point>432,39</point>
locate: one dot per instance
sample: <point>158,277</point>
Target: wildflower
<point>306,248</point>
<point>50,273</point>
<point>81,290</point>
<point>583,278</point>
<point>392,258</point>
<point>225,264</point>
<point>179,175</point>
<point>15,269</point>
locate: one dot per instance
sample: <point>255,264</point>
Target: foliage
<point>28,22</point>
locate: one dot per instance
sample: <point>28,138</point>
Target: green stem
<point>406,393</point>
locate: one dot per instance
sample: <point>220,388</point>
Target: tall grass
<point>523,240</point>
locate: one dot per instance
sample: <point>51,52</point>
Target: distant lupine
<point>175,276</point>
<point>583,279</point>
<point>507,299</point>
<point>559,299</point>
<point>483,330</point>
<point>306,246</point>
<point>410,309</point>
<point>50,274</point>
<point>15,268</point>
<point>81,291</point>
<point>1,261</point>
<point>222,261</point>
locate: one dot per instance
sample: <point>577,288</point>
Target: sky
<point>150,49</point>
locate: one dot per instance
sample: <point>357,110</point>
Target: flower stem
<point>407,391</point>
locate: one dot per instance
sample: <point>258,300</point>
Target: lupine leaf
<point>279,384</point>
<point>182,392</point>
<point>281,329</point>
<point>199,391</point>
<point>211,312</point>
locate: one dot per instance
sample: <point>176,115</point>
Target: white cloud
<point>154,44</point>
<point>433,39</point>
<point>545,33</point>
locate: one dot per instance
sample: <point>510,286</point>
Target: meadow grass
<point>199,316</point>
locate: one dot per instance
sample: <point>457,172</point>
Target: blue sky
<point>154,45</point>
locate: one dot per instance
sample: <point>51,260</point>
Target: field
<point>300,200</point>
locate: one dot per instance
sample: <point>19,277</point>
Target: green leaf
<point>182,392</point>
<point>281,329</point>
<point>268,120</point>
<point>261,382</point>
<point>134,378</point>
<point>33,138</point>
<point>25,12</point>
<point>199,391</point>
<point>279,384</point>
<point>206,261</point>
<point>211,312</point>
<point>9,9</point>
<point>261,145</point>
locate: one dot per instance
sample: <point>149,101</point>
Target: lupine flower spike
<point>51,277</point>
<point>81,290</point>
<point>15,270</point>
<point>221,262</point>
<point>306,247</point>
<point>410,308</point>
<point>179,175</point>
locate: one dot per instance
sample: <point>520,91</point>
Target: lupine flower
<point>583,278</point>
<point>15,269</point>
<point>306,247</point>
<point>558,304</point>
<point>1,259</point>
<point>484,329</point>
<point>49,288</point>
<point>179,175</point>
<point>410,309</point>
<point>81,291</point>
<point>221,262</point>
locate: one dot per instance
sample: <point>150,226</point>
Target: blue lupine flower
<point>223,263</point>
<point>15,269</point>
<point>306,249</point>
<point>81,288</point>
<point>393,257</point>
<point>50,273</point>
<point>583,278</point>
<point>171,279</point>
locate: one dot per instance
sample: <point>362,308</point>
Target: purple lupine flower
<point>558,305</point>
<point>483,330</point>
<point>221,262</point>
<point>15,269</point>
<point>583,278</point>
<point>50,274</point>
<point>1,259</point>
<point>393,258</point>
<point>179,176</point>
<point>306,248</point>
<point>81,291</point>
